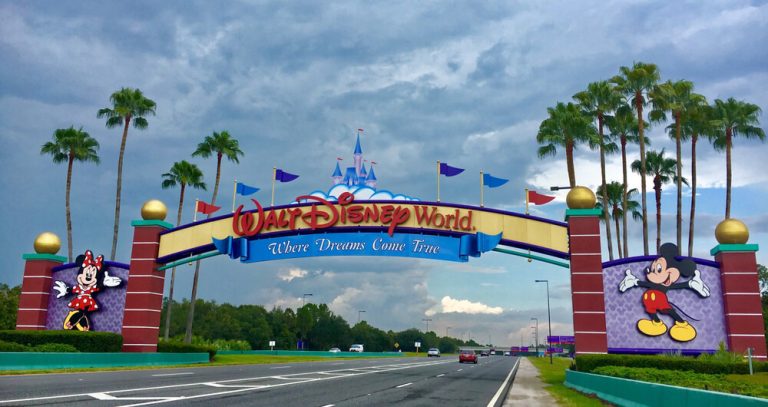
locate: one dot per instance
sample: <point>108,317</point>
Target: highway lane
<point>341,382</point>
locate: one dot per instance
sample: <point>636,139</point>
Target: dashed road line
<point>172,374</point>
<point>404,385</point>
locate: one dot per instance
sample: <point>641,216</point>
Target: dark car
<point>468,356</point>
<point>484,353</point>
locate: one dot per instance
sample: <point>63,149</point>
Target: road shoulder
<point>528,389</point>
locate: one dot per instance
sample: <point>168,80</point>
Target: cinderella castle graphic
<point>356,176</point>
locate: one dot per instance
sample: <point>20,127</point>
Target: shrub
<point>180,347</point>
<point>82,341</point>
<point>12,347</point>
<point>588,363</point>
<point>218,344</point>
<point>54,347</point>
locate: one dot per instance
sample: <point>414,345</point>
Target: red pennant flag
<point>339,159</point>
<point>539,199</point>
<point>206,208</point>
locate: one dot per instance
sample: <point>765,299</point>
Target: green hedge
<point>180,347</point>
<point>714,382</point>
<point>82,341</point>
<point>588,363</point>
<point>54,347</point>
<point>12,347</point>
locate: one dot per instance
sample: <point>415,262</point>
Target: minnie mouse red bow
<point>89,261</point>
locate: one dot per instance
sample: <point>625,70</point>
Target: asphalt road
<point>339,382</point>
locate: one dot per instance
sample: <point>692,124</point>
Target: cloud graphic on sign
<point>452,305</point>
<point>361,194</point>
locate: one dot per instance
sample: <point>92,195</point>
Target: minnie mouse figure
<point>662,276</point>
<point>91,278</point>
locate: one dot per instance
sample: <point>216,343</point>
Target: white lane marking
<point>441,375</point>
<point>340,363</point>
<point>329,405</point>
<point>65,396</point>
<point>172,374</point>
<point>240,386</point>
<point>503,385</point>
<point>280,367</point>
<point>460,370</point>
<point>102,396</point>
<point>404,385</point>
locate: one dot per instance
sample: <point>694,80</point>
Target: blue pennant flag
<point>449,171</point>
<point>493,182</point>
<point>474,245</point>
<point>246,190</point>
<point>283,176</point>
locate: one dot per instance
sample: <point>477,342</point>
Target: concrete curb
<point>501,395</point>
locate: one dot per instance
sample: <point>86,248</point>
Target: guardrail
<point>78,360</point>
<point>311,353</point>
<point>626,392</point>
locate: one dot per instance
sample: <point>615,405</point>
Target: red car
<point>467,356</point>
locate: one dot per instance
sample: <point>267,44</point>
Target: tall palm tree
<point>223,145</point>
<point>71,145</point>
<point>127,105</point>
<point>635,83</point>
<point>663,171</point>
<point>616,203</point>
<point>676,98</point>
<point>623,124</point>
<point>597,101</point>
<point>566,127</point>
<point>733,118</point>
<point>184,174</point>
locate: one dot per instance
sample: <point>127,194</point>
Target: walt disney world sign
<point>315,226</point>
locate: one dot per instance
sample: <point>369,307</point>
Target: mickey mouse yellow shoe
<point>651,328</point>
<point>682,332</point>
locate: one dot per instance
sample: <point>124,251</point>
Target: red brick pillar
<point>36,289</point>
<point>741,293</point>
<point>144,294</point>
<point>587,291</point>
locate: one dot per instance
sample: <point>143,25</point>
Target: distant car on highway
<point>468,356</point>
<point>433,352</point>
<point>334,350</point>
<point>507,353</point>
<point>484,353</point>
<point>356,348</point>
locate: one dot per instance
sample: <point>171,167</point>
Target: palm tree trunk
<point>605,189</point>
<point>624,192</point>
<point>119,187</point>
<point>657,189</point>
<point>69,213</point>
<point>639,107</point>
<point>694,138</point>
<point>728,136</point>
<point>679,183</point>
<point>193,297</point>
<point>569,162</point>
<point>173,271</point>
<point>618,236</point>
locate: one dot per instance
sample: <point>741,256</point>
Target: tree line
<point>617,106</point>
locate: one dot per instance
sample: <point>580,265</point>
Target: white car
<point>356,348</point>
<point>334,350</point>
<point>433,352</point>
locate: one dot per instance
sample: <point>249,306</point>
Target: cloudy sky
<point>462,82</point>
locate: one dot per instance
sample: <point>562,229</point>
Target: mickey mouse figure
<point>91,277</point>
<point>662,275</point>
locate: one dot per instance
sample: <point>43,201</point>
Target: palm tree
<point>183,174</point>
<point>663,171</point>
<point>635,82</point>
<point>127,104</point>
<point>566,127</point>
<point>623,124</point>
<point>616,203</point>
<point>676,98</point>
<point>733,118</point>
<point>223,145</point>
<point>71,145</point>
<point>597,101</point>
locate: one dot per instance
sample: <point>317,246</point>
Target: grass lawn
<point>554,378</point>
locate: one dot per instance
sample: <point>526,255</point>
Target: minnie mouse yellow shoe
<point>682,332</point>
<point>651,328</point>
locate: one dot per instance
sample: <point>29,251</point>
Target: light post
<point>549,319</point>
<point>426,320</point>
<point>304,299</point>
<point>536,335</point>
<point>558,188</point>
<point>447,328</point>
<point>360,311</point>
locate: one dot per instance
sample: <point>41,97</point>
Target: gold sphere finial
<point>47,243</point>
<point>153,210</point>
<point>732,231</point>
<point>580,198</point>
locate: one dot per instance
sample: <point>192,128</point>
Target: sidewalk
<point>527,389</point>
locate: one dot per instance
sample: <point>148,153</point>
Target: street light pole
<point>447,328</point>
<point>426,320</point>
<point>549,320</point>
<point>358,314</point>
<point>536,335</point>
<point>304,298</point>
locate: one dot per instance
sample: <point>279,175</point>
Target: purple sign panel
<point>656,306</point>
<point>98,310</point>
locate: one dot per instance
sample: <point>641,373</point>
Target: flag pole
<point>526,201</point>
<point>481,188</point>
<point>438,181</point>
<point>194,215</point>
<point>274,174</point>
<point>234,195</point>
